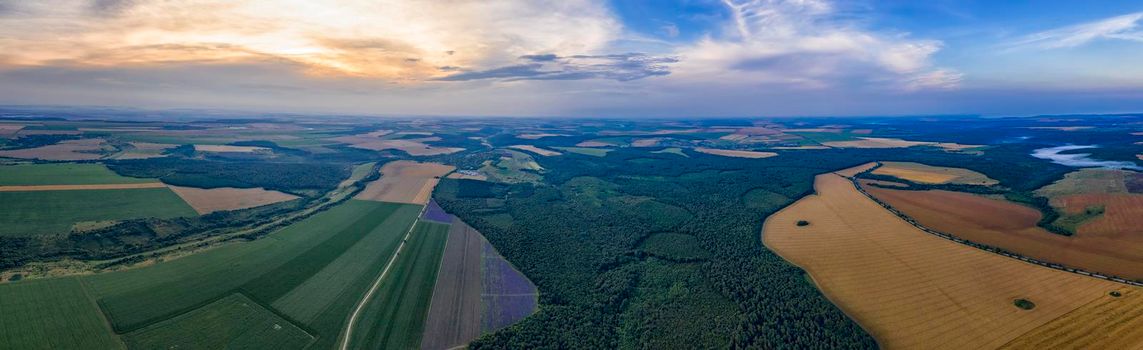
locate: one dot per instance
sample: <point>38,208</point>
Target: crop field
<point>206,201</point>
<point>1108,322</point>
<point>52,314</point>
<point>515,167</point>
<point>55,212</point>
<point>735,153</point>
<point>405,182</point>
<point>1012,227</point>
<point>233,322</point>
<point>312,272</point>
<point>377,141</point>
<point>507,295</point>
<point>910,289</point>
<point>536,150</point>
<point>63,174</point>
<point>142,150</point>
<point>454,313</point>
<point>225,148</point>
<point>1109,190</point>
<point>84,149</point>
<point>395,316</point>
<point>922,173</point>
<point>672,150</point>
<point>33,188</point>
<point>477,291</point>
<point>594,152</point>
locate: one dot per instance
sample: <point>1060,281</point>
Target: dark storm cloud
<point>620,67</point>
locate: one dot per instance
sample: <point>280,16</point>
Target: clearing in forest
<point>922,173</point>
<point>405,182</point>
<point>1012,227</point>
<point>206,201</point>
<point>536,150</point>
<point>735,153</point>
<point>910,289</point>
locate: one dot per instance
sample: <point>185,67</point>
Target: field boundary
<point>34,188</point>
<point>984,247</point>
<point>348,333</point>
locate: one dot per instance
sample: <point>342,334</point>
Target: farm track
<point>347,335</point>
<point>983,247</point>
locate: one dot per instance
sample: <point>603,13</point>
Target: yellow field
<point>913,290</point>
<point>235,149</point>
<point>82,149</point>
<point>1105,323</point>
<point>205,201</point>
<point>536,150</point>
<point>405,182</point>
<point>735,153</point>
<point>922,173</point>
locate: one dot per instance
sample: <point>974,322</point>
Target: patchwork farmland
<point>477,292</point>
<point>910,289</point>
<point>1012,227</point>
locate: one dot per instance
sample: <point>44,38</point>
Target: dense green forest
<point>604,239</point>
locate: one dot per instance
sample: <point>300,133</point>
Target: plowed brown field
<point>405,182</point>
<point>206,201</point>
<point>913,290</point>
<point>1012,227</point>
<point>454,313</point>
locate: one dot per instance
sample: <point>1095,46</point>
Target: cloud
<point>619,67</point>
<point>392,40</point>
<point>807,44</point>
<point>1125,27</point>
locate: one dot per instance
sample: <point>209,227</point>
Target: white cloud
<point>394,40</point>
<point>802,43</point>
<point>1125,27</point>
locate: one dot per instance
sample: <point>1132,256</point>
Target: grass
<point>395,316</point>
<point>673,150</point>
<point>1072,222</point>
<point>233,322</point>
<point>594,152</point>
<point>52,314</point>
<point>62,174</point>
<point>55,212</point>
<point>136,298</point>
<point>822,137</point>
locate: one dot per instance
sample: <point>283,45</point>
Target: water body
<point>1083,160</point>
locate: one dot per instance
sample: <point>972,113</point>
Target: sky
<point>588,58</point>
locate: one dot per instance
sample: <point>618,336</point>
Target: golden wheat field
<point>405,182</point>
<point>913,290</point>
<point>922,173</point>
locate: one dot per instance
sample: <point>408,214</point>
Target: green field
<point>233,322</point>
<point>595,152</point>
<point>310,273</point>
<point>292,289</point>
<point>395,316</point>
<point>54,212</point>
<point>52,314</point>
<point>62,174</point>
